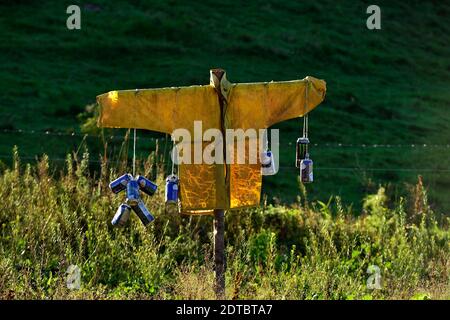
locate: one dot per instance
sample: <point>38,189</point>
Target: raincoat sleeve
<point>162,110</point>
<point>292,99</point>
<point>260,105</point>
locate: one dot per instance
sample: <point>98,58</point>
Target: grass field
<point>307,251</point>
<point>388,86</point>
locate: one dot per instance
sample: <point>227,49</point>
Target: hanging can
<point>122,215</point>
<point>132,193</point>
<point>301,150</point>
<point>146,185</point>
<point>267,164</point>
<point>306,170</point>
<point>142,212</point>
<point>120,183</point>
<point>172,187</point>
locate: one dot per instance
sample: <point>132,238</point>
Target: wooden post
<point>219,253</point>
<point>222,86</point>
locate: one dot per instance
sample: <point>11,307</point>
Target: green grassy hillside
<point>388,86</point>
<point>309,251</point>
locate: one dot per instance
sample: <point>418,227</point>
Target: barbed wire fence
<point>326,145</point>
<point>283,168</point>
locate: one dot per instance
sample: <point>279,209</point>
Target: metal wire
<point>134,152</point>
<point>70,134</point>
<point>173,158</point>
<point>320,145</point>
<point>427,170</point>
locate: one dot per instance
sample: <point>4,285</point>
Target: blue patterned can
<point>172,187</point>
<point>301,149</point>
<point>306,170</point>
<point>267,164</point>
<point>143,213</point>
<point>122,215</point>
<point>146,185</point>
<point>132,193</point>
<point>120,183</point>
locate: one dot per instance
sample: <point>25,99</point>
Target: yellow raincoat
<point>205,187</point>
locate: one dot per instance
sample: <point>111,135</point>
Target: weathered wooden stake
<point>222,86</point>
<point>219,253</point>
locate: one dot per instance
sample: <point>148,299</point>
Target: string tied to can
<point>132,184</point>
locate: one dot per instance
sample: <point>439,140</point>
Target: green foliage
<point>49,221</point>
<point>388,86</point>
<point>420,296</point>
